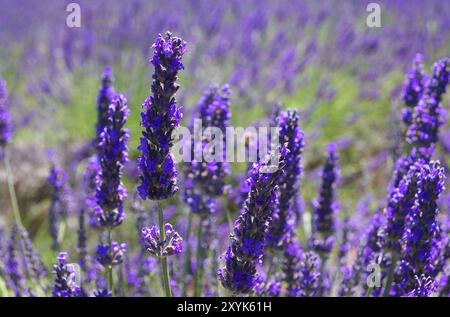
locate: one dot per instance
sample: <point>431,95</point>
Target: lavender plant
<point>160,117</point>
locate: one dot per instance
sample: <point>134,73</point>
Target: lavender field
<point>334,185</point>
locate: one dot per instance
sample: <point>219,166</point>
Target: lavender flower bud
<point>281,227</point>
<point>111,255</point>
<point>173,244</point>
<point>106,95</point>
<point>413,88</point>
<point>249,237</point>
<point>65,284</point>
<point>60,204</point>
<point>325,207</point>
<point>160,117</point>
<point>113,154</point>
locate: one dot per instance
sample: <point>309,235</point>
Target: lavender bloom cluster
<point>421,244</point>
<point>113,154</point>
<point>325,206</point>
<point>413,89</point>
<point>61,202</point>
<point>111,255</point>
<point>65,284</point>
<point>206,180</point>
<point>6,127</point>
<point>429,115</point>
<point>245,252</point>
<point>282,225</point>
<point>105,97</point>
<point>160,117</point>
<point>172,244</point>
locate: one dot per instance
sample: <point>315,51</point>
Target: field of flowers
<point>96,202</point>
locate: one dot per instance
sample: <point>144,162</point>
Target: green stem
<point>12,191</point>
<point>187,263</point>
<point>165,270</point>
<point>198,264</point>
<point>387,288</point>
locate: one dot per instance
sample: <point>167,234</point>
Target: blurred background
<point>319,57</point>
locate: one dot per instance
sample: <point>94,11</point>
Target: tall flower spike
<point>6,127</point>
<point>61,201</point>
<point>413,88</point>
<point>65,284</point>
<point>206,179</point>
<point>421,248</point>
<point>13,272</point>
<point>325,207</point>
<point>401,201</point>
<point>429,115</point>
<point>249,237</point>
<point>160,116</point>
<point>281,227</point>
<point>113,154</point>
<point>105,97</point>
<point>111,255</point>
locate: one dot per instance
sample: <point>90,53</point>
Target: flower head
<point>281,227</point>
<point>65,284</point>
<point>249,237</point>
<point>113,154</point>
<point>160,116</point>
<point>105,97</point>
<point>172,244</point>
<point>111,255</point>
<point>325,207</point>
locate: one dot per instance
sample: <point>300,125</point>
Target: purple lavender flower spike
<point>106,95</point>
<point>325,207</point>
<point>103,292</point>
<point>173,243</point>
<point>111,255</point>
<point>113,154</point>
<point>90,188</point>
<point>422,230</point>
<point>6,127</point>
<point>281,227</point>
<point>429,115</point>
<point>425,287</point>
<point>65,284</point>
<point>249,237</point>
<point>401,200</point>
<point>413,88</point>
<point>206,180</point>
<point>32,257</point>
<point>61,201</point>
<point>160,117</point>
<point>15,278</point>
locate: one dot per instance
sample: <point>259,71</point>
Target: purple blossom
<point>105,97</point>
<point>421,245</point>
<point>61,202</point>
<point>281,227</point>
<point>111,255</point>
<point>325,207</point>
<point>160,117</point>
<point>6,127</point>
<point>413,88</point>
<point>249,237</point>
<point>173,243</point>
<point>429,115</point>
<point>113,154</point>
<point>65,284</point>
<point>205,180</point>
